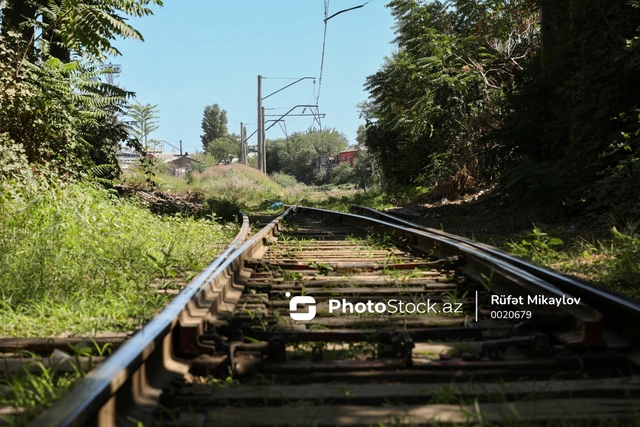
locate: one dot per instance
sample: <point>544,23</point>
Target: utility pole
<point>260,127</point>
<point>243,152</point>
<point>262,149</point>
<point>264,145</point>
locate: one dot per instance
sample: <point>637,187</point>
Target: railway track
<point>322,318</point>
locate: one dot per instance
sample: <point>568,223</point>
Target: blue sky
<point>201,52</point>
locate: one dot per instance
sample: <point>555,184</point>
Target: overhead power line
<point>346,10</point>
<point>324,37</point>
<point>324,42</point>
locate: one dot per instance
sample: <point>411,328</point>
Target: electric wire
<point>324,42</point>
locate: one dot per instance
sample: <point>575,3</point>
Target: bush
<point>343,174</point>
<point>284,180</point>
<point>240,184</point>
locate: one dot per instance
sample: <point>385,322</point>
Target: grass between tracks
<point>598,249</point>
<point>61,254</point>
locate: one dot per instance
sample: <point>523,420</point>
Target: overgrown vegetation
<point>295,154</point>
<point>55,113</point>
<point>473,92</point>
<point>84,260</point>
<point>612,261</point>
<point>445,87</point>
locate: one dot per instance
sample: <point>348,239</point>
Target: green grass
<point>341,199</point>
<point>612,262</point>
<point>76,260</point>
<point>30,393</point>
<point>245,185</point>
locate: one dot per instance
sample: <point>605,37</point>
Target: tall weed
<point>624,270</point>
<point>78,259</point>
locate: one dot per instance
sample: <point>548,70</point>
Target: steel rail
<point>216,290</point>
<point>440,243</point>
<point>505,277</point>
<point>295,355</point>
<point>607,300</point>
<point>85,401</point>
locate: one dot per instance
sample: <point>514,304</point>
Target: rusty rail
<point>237,317</point>
<point>618,308</point>
<point>127,377</point>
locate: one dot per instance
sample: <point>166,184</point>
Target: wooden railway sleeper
<point>397,345</point>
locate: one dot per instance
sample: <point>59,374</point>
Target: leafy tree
<point>84,27</point>
<point>214,124</point>
<point>56,116</point>
<point>471,84</point>
<point>361,136</point>
<point>144,120</point>
<point>294,155</point>
<point>51,109</point>
<point>222,147</point>
<point>444,89</point>
<point>342,174</point>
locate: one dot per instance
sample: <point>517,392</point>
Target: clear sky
<point>201,52</point>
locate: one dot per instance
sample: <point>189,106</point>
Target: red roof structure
<point>347,156</point>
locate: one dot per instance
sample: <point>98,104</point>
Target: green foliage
<point>366,170</point>
<point>624,271</point>
<point>17,179</point>
<point>55,113</point>
<point>223,208</point>
<point>576,113</point>
<point>220,148</point>
<point>538,247</point>
<point>34,391</point>
<point>611,261</point>
<point>375,198</point>
<point>342,174</point>
<point>83,259</point>
<point>144,120</point>
<point>201,163</point>
<point>88,28</point>
<point>104,174</point>
<point>294,155</point>
<point>284,180</point>
<point>214,124</point>
<point>444,88</point>
<point>147,174</point>
<point>242,185</point>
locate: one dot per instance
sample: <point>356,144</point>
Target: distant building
<point>347,156</point>
<point>327,163</point>
<point>180,166</point>
<point>127,160</point>
<point>323,164</point>
<point>165,157</point>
